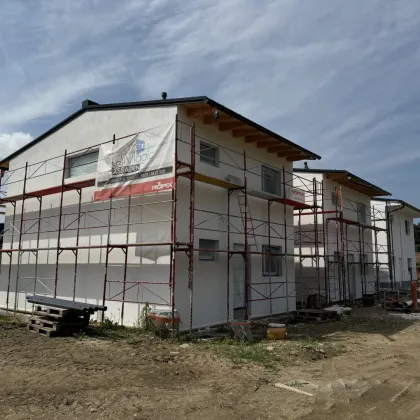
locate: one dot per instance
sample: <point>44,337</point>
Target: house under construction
<point>182,204</point>
<point>341,253</point>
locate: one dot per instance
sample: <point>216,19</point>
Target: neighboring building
<point>189,207</point>
<point>335,255</point>
<point>398,258</point>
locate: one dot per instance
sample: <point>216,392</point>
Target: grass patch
<point>240,352</point>
<point>310,342</point>
<point>12,320</point>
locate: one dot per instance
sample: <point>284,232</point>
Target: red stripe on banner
<point>158,185</point>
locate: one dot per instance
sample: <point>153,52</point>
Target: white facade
<point>399,253</point>
<point>345,239</point>
<point>150,222</point>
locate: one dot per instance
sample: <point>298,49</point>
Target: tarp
<point>142,164</point>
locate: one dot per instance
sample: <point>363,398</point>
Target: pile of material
<point>53,317</point>
<point>316,315</point>
<point>398,300</point>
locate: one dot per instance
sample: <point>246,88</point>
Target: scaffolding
<point>335,241</point>
<point>59,230</point>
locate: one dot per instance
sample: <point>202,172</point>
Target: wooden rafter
<point>296,157</point>
<point>281,148</point>
<point>199,112</point>
<point>265,143</point>
<point>230,125</point>
<point>241,132</point>
<point>209,119</point>
<point>252,138</point>
<point>288,153</point>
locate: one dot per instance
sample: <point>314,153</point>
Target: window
<point>209,154</point>
<point>407,227</point>
<point>361,212</point>
<point>271,181</point>
<point>82,165</point>
<point>334,199</point>
<point>271,263</point>
<point>207,248</point>
<point>409,268</point>
<point>336,257</point>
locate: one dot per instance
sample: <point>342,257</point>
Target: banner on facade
<point>139,165</point>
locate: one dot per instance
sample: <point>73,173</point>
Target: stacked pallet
<point>51,321</point>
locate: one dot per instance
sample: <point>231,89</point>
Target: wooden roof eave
<point>251,134</point>
<point>346,182</point>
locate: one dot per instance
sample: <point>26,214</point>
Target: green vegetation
<point>240,352</point>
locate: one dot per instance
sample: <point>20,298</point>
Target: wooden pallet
<point>50,311</point>
<point>54,324</point>
<point>48,332</point>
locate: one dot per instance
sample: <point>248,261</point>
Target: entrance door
<point>352,276</point>
<point>238,269</point>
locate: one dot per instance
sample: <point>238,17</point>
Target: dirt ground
<point>364,366</point>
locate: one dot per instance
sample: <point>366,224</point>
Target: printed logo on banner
<point>140,146</point>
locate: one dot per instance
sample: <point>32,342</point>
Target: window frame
<point>76,157</point>
<point>410,267</point>
<point>362,215</point>
<point>266,260</point>
<point>207,160</point>
<point>212,255</point>
<point>334,198</point>
<point>278,175</point>
<point>407,227</point>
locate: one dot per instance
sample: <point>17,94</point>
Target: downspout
<point>390,238</point>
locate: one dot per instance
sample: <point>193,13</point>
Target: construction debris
<point>341,310</point>
<point>291,388</point>
<point>315,315</point>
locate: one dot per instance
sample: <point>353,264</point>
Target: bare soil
<point>364,366</point>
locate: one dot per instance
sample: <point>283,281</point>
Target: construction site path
<point>364,366</point>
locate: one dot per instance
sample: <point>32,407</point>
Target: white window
<point>83,164</point>
<point>407,227</point>
<point>207,248</point>
<point>271,181</point>
<point>271,264</point>
<point>361,213</point>
<point>209,154</point>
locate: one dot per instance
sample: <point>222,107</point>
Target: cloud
<point>338,79</point>
<point>12,141</point>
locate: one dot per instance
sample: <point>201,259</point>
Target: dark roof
<point>348,179</point>
<point>89,105</point>
<point>397,201</point>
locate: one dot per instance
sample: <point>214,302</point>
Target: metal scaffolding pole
<point>60,215</point>
<point>20,238</point>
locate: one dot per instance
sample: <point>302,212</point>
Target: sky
<point>339,78</point>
